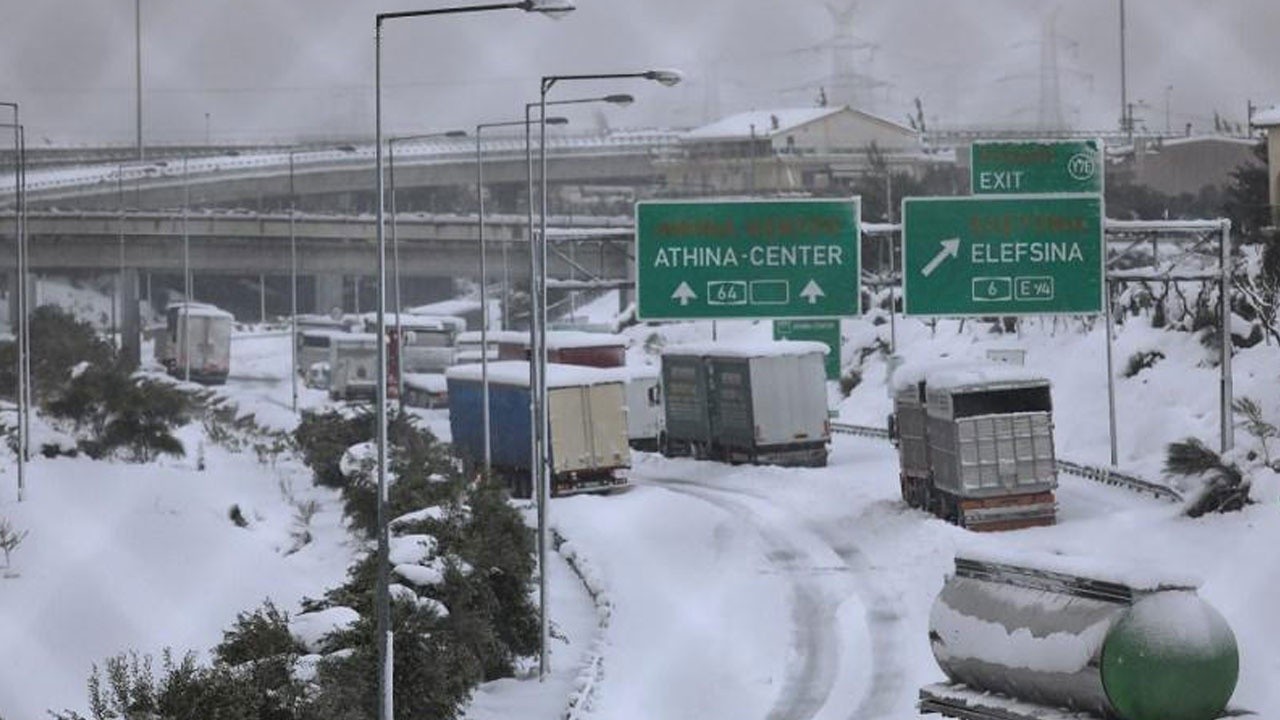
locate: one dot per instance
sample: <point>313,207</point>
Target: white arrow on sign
<point>684,294</point>
<point>950,248</point>
<point>812,292</point>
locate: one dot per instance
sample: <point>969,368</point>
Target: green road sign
<point>823,331</point>
<point>747,259</point>
<point>1002,255</point>
<point>1036,166</point>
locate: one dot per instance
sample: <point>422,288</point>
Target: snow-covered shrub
<point>112,411</point>
<point>59,343</point>
<point>1253,422</point>
<point>1224,488</point>
<point>1141,360</point>
<point>10,539</point>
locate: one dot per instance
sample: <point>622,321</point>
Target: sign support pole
<point>1111,375</point>
<point>1224,299</point>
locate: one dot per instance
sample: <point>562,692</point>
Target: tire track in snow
<point>885,630</point>
<point>815,631</point>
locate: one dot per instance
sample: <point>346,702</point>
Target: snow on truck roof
<point>562,339</point>
<point>740,349</point>
<point>516,372</point>
<point>200,310</point>
<point>955,375</point>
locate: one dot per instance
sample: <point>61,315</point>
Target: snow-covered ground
<point>721,592</point>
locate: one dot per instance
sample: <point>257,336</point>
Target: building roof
<point>1266,117</point>
<point>768,123</point>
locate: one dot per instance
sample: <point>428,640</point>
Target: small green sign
<point>1002,255</point>
<point>1021,167</point>
<point>748,259</point>
<point>823,331</point>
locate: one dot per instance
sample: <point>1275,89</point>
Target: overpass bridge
<point>340,177</point>
<point>332,251</point>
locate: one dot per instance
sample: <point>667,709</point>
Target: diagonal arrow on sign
<point>950,248</point>
<point>684,294</point>
<point>812,292</point>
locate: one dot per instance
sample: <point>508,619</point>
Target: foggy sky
<point>284,70</point>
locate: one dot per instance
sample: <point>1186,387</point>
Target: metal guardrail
<point>1111,476</point>
<point>860,430</point>
<point>1106,476</point>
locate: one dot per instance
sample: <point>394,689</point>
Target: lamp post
<point>538,330</point>
<point>484,290</point>
<point>1126,114</point>
<point>186,274</point>
<point>293,288</point>
<point>293,273</point>
<point>395,241</point>
<point>616,99</point>
<point>20,291</point>
<point>551,8</point>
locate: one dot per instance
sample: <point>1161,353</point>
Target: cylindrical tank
<point>1100,646</point>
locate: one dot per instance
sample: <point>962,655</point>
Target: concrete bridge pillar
<point>130,320</point>
<point>11,298</point>
<point>11,293</point>
<point>328,293</point>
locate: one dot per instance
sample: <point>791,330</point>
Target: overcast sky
<point>291,69</point>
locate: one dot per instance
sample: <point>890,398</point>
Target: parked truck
<point>587,414</point>
<point>975,444</point>
<point>427,344</point>
<point>196,340</point>
<point>762,403</point>
<point>353,366</point>
<point>1027,637</point>
<point>645,415</point>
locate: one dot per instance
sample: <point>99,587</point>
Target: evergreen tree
<point>1247,200</point>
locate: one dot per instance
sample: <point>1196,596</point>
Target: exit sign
<point>1007,167</point>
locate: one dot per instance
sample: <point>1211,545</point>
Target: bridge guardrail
<point>1104,475</point>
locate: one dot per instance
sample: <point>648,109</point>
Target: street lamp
<point>622,99</point>
<point>484,289</point>
<point>1126,114</point>
<point>293,273</point>
<point>186,274</point>
<point>395,242</point>
<point>22,333</point>
<point>538,339</point>
<point>551,8</point>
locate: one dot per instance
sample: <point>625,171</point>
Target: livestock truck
<point>762,402</point>
<point>587,416</point>
<point>196,341</point>
<point>975,445</point>
<point>1033,637</point>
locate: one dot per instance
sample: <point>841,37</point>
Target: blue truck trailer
<point>588,417</point>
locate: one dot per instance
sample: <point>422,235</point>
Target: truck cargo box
<point>975,444</point>
<point>759,402</point>
<point>586,410</point>
<point>353,366</point>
